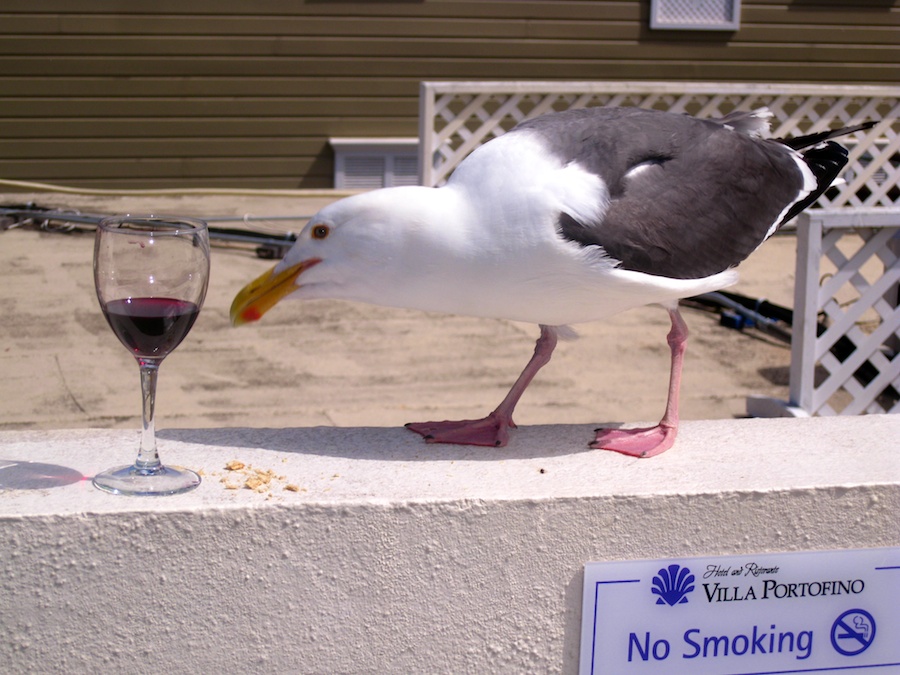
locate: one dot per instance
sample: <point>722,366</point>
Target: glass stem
<point>148,457</point>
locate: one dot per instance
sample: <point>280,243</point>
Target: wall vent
<point>695,14</point>
<point>371,163</point>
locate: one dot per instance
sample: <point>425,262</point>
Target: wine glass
<point>151,274</point>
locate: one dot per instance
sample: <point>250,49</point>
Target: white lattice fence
<point>852,367</point>
<point>846,340</point>
<point>457,117</point>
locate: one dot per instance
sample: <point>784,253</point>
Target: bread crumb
<point>290,487</point>
<point>258,480</point>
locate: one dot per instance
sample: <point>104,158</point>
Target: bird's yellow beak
<point>261,294</point>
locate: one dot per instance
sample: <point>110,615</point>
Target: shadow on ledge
<point>17,475</point>
<point>391,443</point>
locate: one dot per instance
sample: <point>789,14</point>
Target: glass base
<point>130,480</point>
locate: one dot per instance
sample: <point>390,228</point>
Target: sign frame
<point>747,614</point>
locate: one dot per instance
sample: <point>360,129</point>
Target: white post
<point>806,293</point>
<point>426,134</point>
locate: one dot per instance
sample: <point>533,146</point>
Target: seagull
<point>568,218</point>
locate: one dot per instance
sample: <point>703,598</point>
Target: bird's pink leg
<point>492,430</point>
<point>652,441</point>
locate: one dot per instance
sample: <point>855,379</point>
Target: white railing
<point>852,367</point>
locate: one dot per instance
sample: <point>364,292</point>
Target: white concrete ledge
<point>371,552</point>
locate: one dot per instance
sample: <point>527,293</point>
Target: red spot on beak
<point>251,314</point>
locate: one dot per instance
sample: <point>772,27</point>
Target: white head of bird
<point>382,247</point>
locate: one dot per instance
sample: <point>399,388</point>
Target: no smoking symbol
<point>853,632</point>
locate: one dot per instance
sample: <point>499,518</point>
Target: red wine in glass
<point>151,327</point>
<point>151,275</point>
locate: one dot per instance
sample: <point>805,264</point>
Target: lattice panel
<point>850,362</point>
<point>858,354</point>
<point>457,117</point>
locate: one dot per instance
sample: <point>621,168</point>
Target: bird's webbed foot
<point>491,431</point>
<point>645,442</point>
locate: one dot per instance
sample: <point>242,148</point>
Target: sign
<point>824,611</point>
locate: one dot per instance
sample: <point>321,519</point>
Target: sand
<point>341,364</point>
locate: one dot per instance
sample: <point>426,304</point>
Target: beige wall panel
<point>236,93</point>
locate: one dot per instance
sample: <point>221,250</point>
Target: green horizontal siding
<point>192,93</point>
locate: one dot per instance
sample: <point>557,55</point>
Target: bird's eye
<point>320,231</point>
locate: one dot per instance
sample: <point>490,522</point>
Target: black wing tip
<point>801,142</point>
<point>825,160</point>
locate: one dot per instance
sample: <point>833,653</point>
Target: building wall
<point>233,93</point>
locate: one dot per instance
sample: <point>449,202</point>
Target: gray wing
<point>689,198</point>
